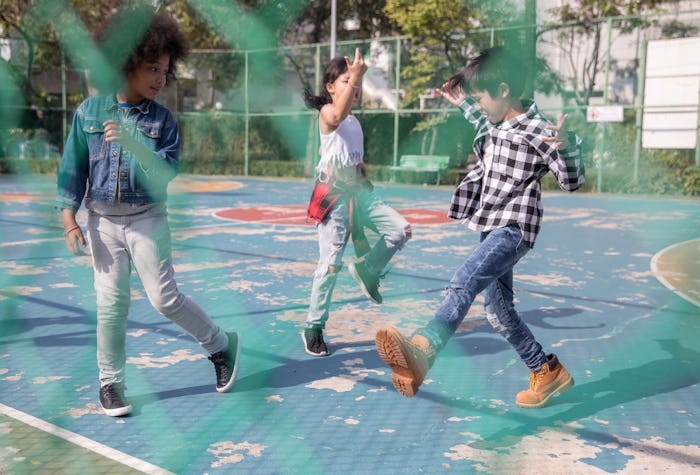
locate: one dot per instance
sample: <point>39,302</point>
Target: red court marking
<point>187,185</point>
<point>20,196</point>
<point>296,215</point>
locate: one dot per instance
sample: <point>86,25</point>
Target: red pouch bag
<point>323,197</point>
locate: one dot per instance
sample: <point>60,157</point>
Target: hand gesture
<point>75,241</point>
<point>357,67</point>
<point>560,137</point>
<point>455,95</point>
<point>115,132</point>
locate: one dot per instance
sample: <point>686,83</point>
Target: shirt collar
<point>530,112</point>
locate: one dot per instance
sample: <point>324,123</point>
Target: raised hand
<point>455,95</point>
<point>560,137</point>
<point>357,67</point>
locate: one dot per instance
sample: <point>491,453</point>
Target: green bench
<point>422,163</point>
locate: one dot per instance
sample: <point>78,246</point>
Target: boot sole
<point>391,352</point>
<point>361,283</point>
<point>566,385</point>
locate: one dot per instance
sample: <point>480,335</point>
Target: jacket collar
<point>111,104</point>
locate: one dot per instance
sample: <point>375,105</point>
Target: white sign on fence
<point>671,94</point>
<point>604,114</point>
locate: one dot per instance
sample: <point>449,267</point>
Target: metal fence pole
<point>317,83</point>
<point>603,125</point>
<point>640,110</point>
<point>697,135</point>
<point>64,99</point>
<point>246,108</point>
<point>397,80</point>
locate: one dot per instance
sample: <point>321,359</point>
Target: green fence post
<point>640,110</point>
<point>603,125</point>
<point>697,136</point>
<point>246,108</point>
<point>397,80</point>
<point>64,99</point>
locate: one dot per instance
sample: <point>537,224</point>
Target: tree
<point>581,41</point>
<point>444,34</point>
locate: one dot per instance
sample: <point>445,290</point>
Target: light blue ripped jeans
<point>333,234</point>
<point>144,240</point>
<point>489,268</point>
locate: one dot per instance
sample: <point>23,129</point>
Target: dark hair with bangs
<point>331,72</point>
<point>489,69</point>
<point>136,35</point>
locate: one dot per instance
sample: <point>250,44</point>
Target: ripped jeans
<point>489,268</point>
<point>333,234</point>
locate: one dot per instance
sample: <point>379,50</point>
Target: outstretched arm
<point>334,113</point>
<point>456,96</point>
<point>568,166</point>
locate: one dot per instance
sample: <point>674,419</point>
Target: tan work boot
<point>409,360</point>
<point>552,378</point>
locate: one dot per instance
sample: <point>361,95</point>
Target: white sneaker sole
<point>118,412</point>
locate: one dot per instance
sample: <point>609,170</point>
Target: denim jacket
<point>109,172</point>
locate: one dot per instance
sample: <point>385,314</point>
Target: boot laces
<point>535,378</point>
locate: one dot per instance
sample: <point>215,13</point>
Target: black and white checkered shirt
<point>508,191</point>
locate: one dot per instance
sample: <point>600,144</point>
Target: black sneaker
<point>313,341</point>
<point>113,401</point>
<point>226,363</point>
<point>368,283</point>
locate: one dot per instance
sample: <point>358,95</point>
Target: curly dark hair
<point>134,35</point>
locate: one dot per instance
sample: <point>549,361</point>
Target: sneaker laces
<point>114,392</point>
<point>220,361</point>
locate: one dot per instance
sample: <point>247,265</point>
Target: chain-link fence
<point>242,112</point>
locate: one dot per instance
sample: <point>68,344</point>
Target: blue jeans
<point>117,242</point>
<point>333,234</point>
<point>490,269</point>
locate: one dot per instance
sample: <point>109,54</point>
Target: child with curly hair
<point>122,151</point>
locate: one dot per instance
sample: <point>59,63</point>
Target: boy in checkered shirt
<point>500,198</point>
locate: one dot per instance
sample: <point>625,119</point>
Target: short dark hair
<point>331,72</point>
<point>489,69</point>
<point>156,35</point>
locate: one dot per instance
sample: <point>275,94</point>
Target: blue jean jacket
<point>109,172</point>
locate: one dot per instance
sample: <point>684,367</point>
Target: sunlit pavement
<point>243,250</point>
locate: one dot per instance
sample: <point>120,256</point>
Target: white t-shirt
<point>342,148</point>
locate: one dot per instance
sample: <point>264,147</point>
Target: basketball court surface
<point>612,287</point>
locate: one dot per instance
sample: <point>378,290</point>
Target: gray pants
<point>117,242</point>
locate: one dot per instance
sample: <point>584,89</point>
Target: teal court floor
<point>599,289</point>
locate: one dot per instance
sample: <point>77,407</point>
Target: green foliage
<point>442,38</point>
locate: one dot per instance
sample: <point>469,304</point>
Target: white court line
<point>660,278</point>
<point>30,241</point>
<point>84,442</point>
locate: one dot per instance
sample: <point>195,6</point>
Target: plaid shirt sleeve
<point>569,170</point>
<point>466,198</point>
<point>565,164</point>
